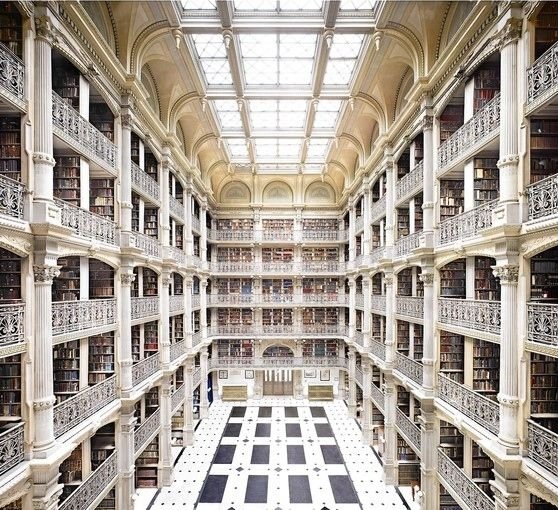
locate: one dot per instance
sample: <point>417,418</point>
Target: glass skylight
<point>238,148</point>
<point>327,112</point>
<point>229,116</point>
<point>317,148</point>
<point>269,149</point>
<point>275,5</point>
<point>277,114</point>
<point>343,54</point>
<point>213,58</point>
<point>194,5</point>
<point>357,5</point>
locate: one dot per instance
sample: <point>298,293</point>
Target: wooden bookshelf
<point>179,237</point>
<point>65,287</point>
<point>315,224</point>
<point>487,286</point>
<point>226,286</point>
<point>451,120</point>
<point>176,328</point>
<point>544,276</point>
<point>277,317</point>
<point>544,390</point>
<point>235,348</point>
<point>487,180</point>
<point>235,317</point>
<point>452,198</point>
<point>109,501</point>
<point>278,225</point>
<point>150,282</point>
<point>377,284</point>
<point>376,239</point>
<point>151,165</point>
<point>70,473</point>
<point>277,254</point>
<point>358,245</point>
<point>65,81</point>
<point>546,28</point>
<point>408,464</point>
<point>101,357</point>
<point>135,212</point>
<point>403,164</point>
<point>11,31</point>
<point>482,467</point>
<point>451,441</point>
<point>102,445</point>
<point>67,181</point>
<point>320,285</point>
<point>320,348</point>
<point>101,280</point>
<point>136,343</point>
<point>151,338</point>
<point>100,115</point>
<point>446,501</point>
<point>452,355</point>
<point>418,148</point>
<point>147,465</point>
<point>235,254</point>
<point>326,316</point>
<point>177,284</point>
<point>246,224</point>
<point>151,401</point>
<point>10,388</point>
<point>320,254</point>
<point>486,368</point>
<point>403,333</point>
<point>452,279</point>
<point>405,282</point>
<point>66,367</point>
<point>10,143</point>
<point>101,197</point>
<point>10,277</point>
<point>151,222</point>
<point>196,324</point>
<point>277,286</point>
<point>543,145</point>
<point>135,148</point>
<point>418,342</point>
<point>403,400</point>
<point>486,85</point>
<point>378,325</point>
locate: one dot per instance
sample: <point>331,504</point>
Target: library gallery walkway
<point>275,453</point>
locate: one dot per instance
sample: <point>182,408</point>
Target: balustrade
<point>542,446</point>
<point>542,198</point>
<point>359,224</point>
<point>196,338</point>
<point>196,300</point>
<point>144,184</point>
<point>196,224</point>
<point>231,235</point>
<point>176,207</point>
<point>178,397</point>
<point>358,376</point>
<point>378,303</point>
<point>410,184</point>
<point>144,433</point>
<point>70,126</point>
<point>12,74</point>
<point>378,349</point>
<point>378,210</point>
<point>479,315</point>
<point>70,316</point>
<point>542,78</point>
<point>277,361</point>
<point>11,448</point>
<point>319,267</point>
<point>145,307</point>
<point>469,137</point>
<point>145,368</point>
<point>177,349</point>
<point>176,303</point>
<point>177,254</point>
<point>404,246</point>
<point>410,430</point>
<point>542,323</point>
<point>410,306</point>
<point>376,255</point>
<point>87,224</point>
<point>149,245</point>
<point>319,235</point>
<point>12,324</point>
<point>235,267</point>
<point>196,377</point>
<point>12,195</point>
<point>409,367</point>
<point>466,224</point>
<point>359,300</point>
<point>480,409</point>
<point>74,411</point>
<point>359,338</point>
<point>377,396</point>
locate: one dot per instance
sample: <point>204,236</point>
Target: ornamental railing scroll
<point>324,266</point>
<point>231,235</point>
<point>12,73</point>
<point>11,448</point>
<point>409,184</point>
<point>196,338</point>
<point>196,225</point>
<point>177,349</point>
<point>542,323</point>
<point>378,209</point>
<point>319,235</point>
<point>359,338</point>
<point>75,410</point>
<point>542,76</point>
<point>482,410</point>
<point>196,301</point>
<point>378,303</point>
<point>87,224</point>
<point>377,254</point>
<point>90,489</point>
<point>70,316</point>
<point>409,429</point>
<point>358,376</point>
<point>466,225</point>
<point>479,315</point>
<point>542,198</point>
<point>178,397</point>
<point>176,207</point>
<point>196,377</point>
<point>176,303</point>
<point>377,396</point>
<point>146,430</point>
<point>482,125</point>
<point>405,245</point>
<point>69,123</point>
<point>12,324</point>
<point>410,306</point>
<point>378,349</point>
<point>149,245</point>
<point>177,254</point>
<point>359,300</point>
<point>471,494</point>
<point>359,223</point>
<point>277,361</point>
<point>12,195</point>
<point>145,183</point>
<point>409,367</point>
<point>145,368</point>
<point>144,306</point>
<point>542,446</point>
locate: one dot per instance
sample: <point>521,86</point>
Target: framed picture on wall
<point>310,374</point>
<point>223,374</point>
<point>248,374</point>
<point>324,374</point>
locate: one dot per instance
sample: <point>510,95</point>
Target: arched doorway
<point>279,379</point>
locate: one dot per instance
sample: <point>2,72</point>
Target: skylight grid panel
<point>230,120</point>
<point>237,148</point>
<point>260,72</point>
<point>293,105</point>
<point>357,5</point>
<point>263,105</point>
<point>255,5</point>
<point>209,45</point>
<point>258,45</point>
<point>266,148</point>
<point>339,72</point>
<point>297,45</point>
<point>295,72</point>
<point>194,5</point>
<point>317,148</point>
<point>299,5</point>
<point>290,149</point>
<point>291,120</point>
<point>264,120</point>
<point>217,71</point>
<point>346,46</point>
<point>325,119</point>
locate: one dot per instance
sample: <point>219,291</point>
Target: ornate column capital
<point>127,120</point>
<point>388,279</point>
<point>510,33</point>
<point>44,29</point>
<point>427,122</point>
<point>127,278</point>
<point>45,274</point>
<point>507,273</point>
<point>427,279</point>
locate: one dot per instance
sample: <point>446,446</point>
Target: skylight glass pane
<point>191,5</point>
<point>266,147</point>
<point>255,5</point>
<point>216,71</point>
<point>228,114</point>
<point>317,148</point>
<point>357,5</point>
<point>277,114</point>
<point>295,72</point>
<point>299,5</point>
<point>288,148</point>
<point>209,45</point>
<point>327,113</point>
<point>291,120</point>
<point>260,71</point>
<point>258,45</point>
<point>237,148</point>
<point>339,72</point>
<point>297,45</point>
<point>346,45</point>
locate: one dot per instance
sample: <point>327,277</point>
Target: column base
<point>188,437</point>
<point>125,491</point>
<point>166,476</point>
<point>203,411</point>
<point>391,474</point>
<point>351,409</point>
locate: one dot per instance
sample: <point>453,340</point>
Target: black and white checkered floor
<point>278,453</point>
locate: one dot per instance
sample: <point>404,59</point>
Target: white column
<point>390,435</point>
<point>428,455</point>
<point>203,234</point>
<point>125,171</point>
<point>366,413</point>
<point>188,431</point>
<point>352,383</point>
<point>352,308</point>
<point>204,404</point>
<point>429,339</point>
<point>188,311</point>
<point>367,298</point>
<point>366,218</point>
<point>203,308</point>
<point>165,193</point>
<point>43,160</point>
<point>165,341</point>
<point>352,240</point>
<point>166,432</point>
<point>125,333</point>
<point>390,208</point>
<point>428,181</point>
<point>126,465</point>
<point>187,236</point>
<point>390,318</point>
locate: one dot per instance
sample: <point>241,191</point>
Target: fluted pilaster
<point>166,431</point>
<point>127,277</point>
<point>204,403</point>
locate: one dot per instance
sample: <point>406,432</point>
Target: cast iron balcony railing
<point>377,396</point>
<point>410,306</point>
<point>233,329</point>
<point>74,411</point>
<point>196,301</point>
<point>322,267</point>
<point>410,184</point>
<point>542,323</point>
<point>146,430</point>
<point>359,300</point>
<point>358,376</point>
<point>542,198</point>
<point>359,338</point>
<point>177,349</point>
<point>377,254</point>
<point>145,368</point>
<point>176,303</point>
<point>90,489</point>
<point>472,135</point>
<point>12,324</point>
<point>176,207</point>
<point>466,224</point>
<point>326,298</point>
<point>277,361</point>
<point>87,224</point>
<point>196,225</point>
<point>542,77</point>
<point>235,267</point>
<point>178,397</point>
<point>410,430</point>
<point>12,74</point>
<point>542,446</point>
<point>149,245</point>
<point>404,246</point>
<point>276,298</point>
<point>378,349</point>
<point>70,126</point>
<point>277,235</point>
<point>456,479</point>
<point>378,210</point>
<point>144,184</point>
<point>70,316</point>
<point>320,329</point>
<point>11,448</point>
<point>232,299</point>
<point>230,235</point>
<point>176,254</point>
<point>480,409</point>
<point>196,376</point>
<point>196,338</point>
<point>12,196</point>
<point>378,303</point>
<point>319,235</point>
<point>359,223</point>
<point>479,315</point>
<point>145,307</point>
<point>409,367</point>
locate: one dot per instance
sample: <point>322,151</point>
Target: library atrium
<point>278,254</point>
